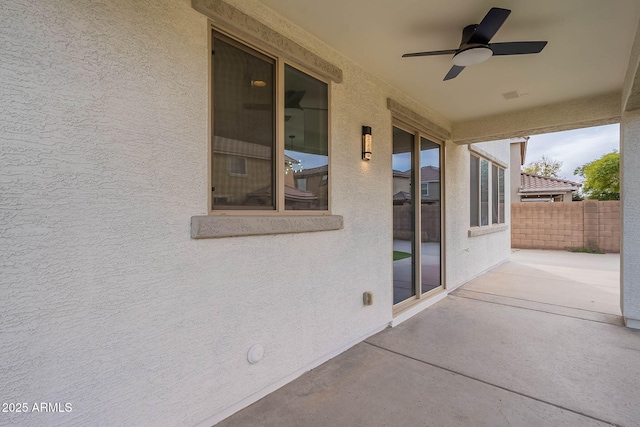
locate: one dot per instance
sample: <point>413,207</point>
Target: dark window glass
<point>501,203</point>
<point>484,192</point>
<point>243,127</point>
<point>494,194</point>
<point>403,216</point>
<point>474,201</point>
<point>430,212</point>
<point>306,125</point>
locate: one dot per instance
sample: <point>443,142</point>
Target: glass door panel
<point>403,216</point>
<point>430,215</point>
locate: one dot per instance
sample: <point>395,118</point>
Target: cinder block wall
<point>591,224</point>
<point>402,222</point>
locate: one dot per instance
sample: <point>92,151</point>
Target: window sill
<point>487,229</point>
<point>218,226</point>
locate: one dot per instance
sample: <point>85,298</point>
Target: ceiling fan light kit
<point>472,55</point>
<point>475,47</point>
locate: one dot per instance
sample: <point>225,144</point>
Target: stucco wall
<point>105,300</point>
<point>630,201</point>
<point>469,256</point>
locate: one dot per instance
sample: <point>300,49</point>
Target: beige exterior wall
<point>514,171</point>
<point>107,302</point>
<point>589,224</point>
<point>236,187</point>
<point>401,183</point>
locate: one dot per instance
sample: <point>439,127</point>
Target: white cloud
<point>575,147</point>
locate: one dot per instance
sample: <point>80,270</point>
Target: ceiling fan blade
<point>453,73</point>
<point>431,53</point>
<point>490,25</point>
<point>517,48</point>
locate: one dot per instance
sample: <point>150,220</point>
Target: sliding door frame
<point>416,195</point>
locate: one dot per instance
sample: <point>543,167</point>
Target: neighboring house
<point>163,262</point>
<point>401,182</point>
<point>315,181</point>
<point>526,187</point>
<point>536,188</point>
<point>429,185</point>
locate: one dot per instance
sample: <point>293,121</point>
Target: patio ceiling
<point>590,43</point>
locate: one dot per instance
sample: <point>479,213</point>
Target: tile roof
<point>530,183</point>
<point>312,171</point>
<point>428,173</point>
<point>406,196</point>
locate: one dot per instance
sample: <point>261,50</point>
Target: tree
<point>544,167</point>
<point>602,177</point>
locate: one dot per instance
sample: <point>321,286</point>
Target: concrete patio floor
<point>537,341</point>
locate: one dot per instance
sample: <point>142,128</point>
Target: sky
<point>402,161</point>
<point>574,147</point>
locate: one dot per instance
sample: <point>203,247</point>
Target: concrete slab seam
<point>493,385</point>
<point>536,302</point>
<point>545,312</point>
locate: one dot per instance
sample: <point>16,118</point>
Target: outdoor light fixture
<point>366,142</point>
<point>471,56</point>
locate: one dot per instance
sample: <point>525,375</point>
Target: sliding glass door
<point>417,215</point>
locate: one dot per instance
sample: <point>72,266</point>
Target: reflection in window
<point>475,191</point>
<point>430,215</point>
<point>301,184</point>
<point>494,194</point>
<point>487,199</point>
<point>243,161</point>
<point>403,216</point>
<point>501,203</point>
<point>306,141</point>
<point>237,166</point>
<point>484,192</point>
<point>243,127</point>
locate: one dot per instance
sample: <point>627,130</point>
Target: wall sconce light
<point>366,142</point>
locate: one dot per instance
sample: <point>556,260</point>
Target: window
<point>302,184</point>
<point>486,183</point>
<point>270,132</point>
<point>237,166</point>
<point>497,184</point>
<point>424,187</point>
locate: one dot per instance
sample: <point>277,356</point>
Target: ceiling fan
<point>475,47</point>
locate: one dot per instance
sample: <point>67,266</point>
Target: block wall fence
<point>589,224</point>
<point>403,221</point>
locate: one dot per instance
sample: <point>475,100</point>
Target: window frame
<point>279,154</point>
<point>491,196</point>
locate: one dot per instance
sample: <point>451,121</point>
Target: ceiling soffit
<point>590,42</point>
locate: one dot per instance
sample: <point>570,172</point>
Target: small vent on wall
<point>513,95</point>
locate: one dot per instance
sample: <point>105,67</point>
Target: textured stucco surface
<point>571,114</point>
<point>105,300</point>
<point>631,88</point>
<point>630,197</point>
<point>469,256</point>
